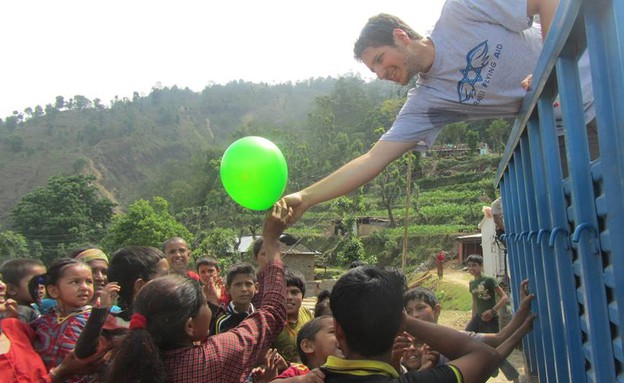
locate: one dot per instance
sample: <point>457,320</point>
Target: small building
<point>468,244</point>
<point>294,254</point>
<point>363,226</point>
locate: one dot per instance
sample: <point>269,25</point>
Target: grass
<point>452,296</point>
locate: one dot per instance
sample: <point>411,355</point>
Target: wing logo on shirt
<point>476,59</point>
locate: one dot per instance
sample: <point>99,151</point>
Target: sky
<point>107,48</point>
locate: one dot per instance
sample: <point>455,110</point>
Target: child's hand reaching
<point>401,344</point>
<point>212,289</point>
<point>430,358</point>
<point>109,294</point>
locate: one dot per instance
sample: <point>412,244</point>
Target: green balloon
<point>254,172</point>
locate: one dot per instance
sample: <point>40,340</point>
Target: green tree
<point>221,244</point>
<point>59,103</point>
<point>66,212</point>
<point>145,224</point>
<point>472,139</point>
<point>498,130</point>
<point>12,245</point>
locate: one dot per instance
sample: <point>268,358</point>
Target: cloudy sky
<point>100,49</point>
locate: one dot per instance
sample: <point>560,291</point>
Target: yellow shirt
<point>286,341</point>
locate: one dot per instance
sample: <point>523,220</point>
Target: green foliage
<point>13,245</point>
<point>220,244</point>
<point>145,224</point>
<point>67,211</point>
<point>352,249</point>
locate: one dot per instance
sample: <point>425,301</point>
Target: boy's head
<point>241,284</point>
<point>422,303</point>
<point>17,272</point>
<point>316,341</point>
<point>474,263</point>
<point>207,268</point>
<point>295,291</point>
<point>321,307</point>
<point>367,304</point>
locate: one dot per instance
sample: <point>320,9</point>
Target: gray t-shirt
<point>484,49</point>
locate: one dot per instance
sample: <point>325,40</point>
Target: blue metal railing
<point>565,220</point>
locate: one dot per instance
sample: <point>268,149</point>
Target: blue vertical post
<point>605,34</point>
<point>585,237</point>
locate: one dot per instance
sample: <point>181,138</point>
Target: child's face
<point>242,290</point>
<point>206,272</point>
<point>20,292</point>
<point>325,343</point>
<point>412,356</point>
<point>474,268</point>
<point>421,310</point>
<point>294,297</point>
<point>74,288</point>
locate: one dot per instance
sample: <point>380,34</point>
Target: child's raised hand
<point>109,294</point>
<point>275,363</point>
<point>8,309</point>
<point>430,358</point>
<point>212,291</point>
<point>401,343</point>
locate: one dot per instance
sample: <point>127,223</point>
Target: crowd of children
<point>134,318</point>
<point>171,326</point>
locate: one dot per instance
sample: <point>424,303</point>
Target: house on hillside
<point>294,254</point>
<point>363,226</point>
<point>468,244</point>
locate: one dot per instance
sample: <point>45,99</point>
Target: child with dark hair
<point>298,315</point>
<point>241,284</point>
<point>316,341</point>
<point>168,339</point>
<point>484,290</point>
<point>18,360</point>
<point>98,261</point>
<point>70,282</point>
<point>17,273</point>
<point>367,304</point>
<point>132,267</point>
<point>421,303</point>
<point>208,270</point>
<point>322,304</point>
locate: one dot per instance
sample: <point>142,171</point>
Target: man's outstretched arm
<point>349,177</point>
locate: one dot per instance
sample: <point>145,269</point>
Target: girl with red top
<point>70,282</point>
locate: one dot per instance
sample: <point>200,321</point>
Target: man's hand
<point>295,201</point>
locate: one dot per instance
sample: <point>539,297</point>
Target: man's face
<point>99,268</point>
<point>294,297</point>
<point>178,255</point>
<point>388,63</point>
<point>421,310</point>
<point>206,272</point>
<point>242,290</point>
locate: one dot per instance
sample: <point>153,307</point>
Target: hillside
<point>130,144</point>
